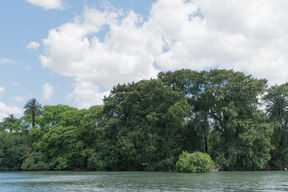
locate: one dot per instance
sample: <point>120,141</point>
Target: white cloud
<point>47,91</point>
<point>6,110</point>
<point>47,4</point>
<point>250,36</point>
<point>17,98</point>
<point>6,61</point>
<point>33,45</point>
<point>86,93</point>
<point>124,56</point>
<point>2,89</point>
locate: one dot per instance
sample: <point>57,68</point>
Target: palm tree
<point>9,121</point>
<point>33,108</point>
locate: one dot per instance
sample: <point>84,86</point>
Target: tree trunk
<point>206,143</point>
<point>33,120</point>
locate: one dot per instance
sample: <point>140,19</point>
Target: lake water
<point>142,181</point>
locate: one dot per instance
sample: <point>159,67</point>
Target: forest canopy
<point>235,118</point>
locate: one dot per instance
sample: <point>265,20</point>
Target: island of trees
<point>236,119</point>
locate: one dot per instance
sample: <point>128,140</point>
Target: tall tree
<point>143,123</point>
<point>33,108</point>
<point>227,100</point>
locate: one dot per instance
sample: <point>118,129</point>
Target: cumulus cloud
<point>47,91</point>
<point>249,36</point>
<point>47,4</point>
<point>123,56</point>
<point>6,110</point>
<point>33,45</point>
<point>86,93</point>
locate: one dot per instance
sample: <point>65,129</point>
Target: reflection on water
<point>143,181</point>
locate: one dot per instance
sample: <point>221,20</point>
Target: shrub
<point>195,163</point>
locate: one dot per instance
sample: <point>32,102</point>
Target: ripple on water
<point>142,181</point>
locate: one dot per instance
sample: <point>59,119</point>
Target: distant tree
<point>9,121</point>
<point>33,108</point>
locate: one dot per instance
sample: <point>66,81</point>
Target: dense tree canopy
<point>148,124</point>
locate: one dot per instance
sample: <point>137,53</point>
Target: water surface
<point>142,181</point>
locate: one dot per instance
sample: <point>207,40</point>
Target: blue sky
<point>72,52</point>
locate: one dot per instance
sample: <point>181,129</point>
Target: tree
<point>143,123</point>
<point>224,102</point>
<point>33,108</point>
<point>276,100</point>
<point>9,121</point>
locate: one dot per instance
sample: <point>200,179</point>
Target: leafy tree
<point>191,84</point>
<point>249,144</point>
<point>143,123</point>
<point>217,98</point>
<point>62,147</point>
<point>33,108</point>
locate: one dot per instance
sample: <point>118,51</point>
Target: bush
<point>195,163</point>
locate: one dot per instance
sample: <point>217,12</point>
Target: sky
<point>72,52</point>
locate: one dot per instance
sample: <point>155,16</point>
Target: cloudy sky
<point>72,52</point>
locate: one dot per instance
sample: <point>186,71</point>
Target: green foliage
<point>95,162</point>
<point>35,161</point>
<point>8,122</point>
<point>62,146</point>
<point>276,100</point>
<point>14,148</point>
<point>151,122</point>
<point>221,162</point>
<point>196,162</point>
<point>250,149</point>
<point>144,120</point>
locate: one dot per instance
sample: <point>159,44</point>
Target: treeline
<point>239,121</point>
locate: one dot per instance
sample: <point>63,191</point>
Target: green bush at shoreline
<point>196,162</point>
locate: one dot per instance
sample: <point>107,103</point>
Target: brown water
<point>142,181</point>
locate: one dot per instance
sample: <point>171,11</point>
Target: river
<point>142,181</point>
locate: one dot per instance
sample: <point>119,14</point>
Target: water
<point>142,181</point>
